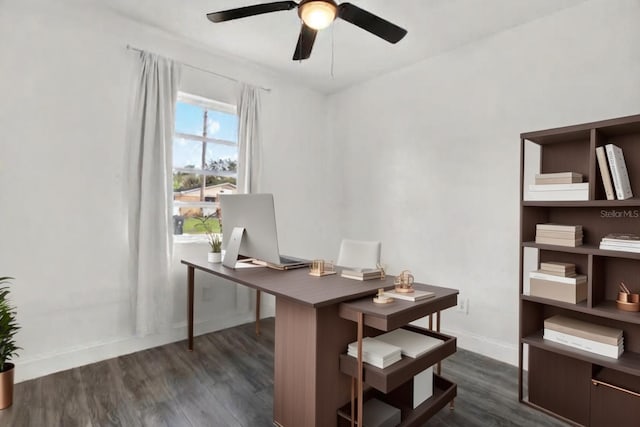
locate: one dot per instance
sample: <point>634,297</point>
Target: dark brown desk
<point>310,335</point>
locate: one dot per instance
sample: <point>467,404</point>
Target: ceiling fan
<point>317,15</point>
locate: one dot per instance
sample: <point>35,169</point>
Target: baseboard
<point>498,350</point>
<point>55,362</point>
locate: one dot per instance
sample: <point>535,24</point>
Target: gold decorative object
<point>381,298</point>
<point>320,267</point>
<point>404,282</point>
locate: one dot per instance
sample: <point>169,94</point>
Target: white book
<point>619,248</point>
<point>582,186</point>
<point>375,348</point>
<point>602,349</point>
<point>414,296</point>
<point>557,196</point>
<point>376,361</point>
<point>619,172</point>
<point>412,344</point>
<point>605,174</point>
<point>559,227</point>
<point>623,243</point>
<point>572,175</point>
<point>580,278</point>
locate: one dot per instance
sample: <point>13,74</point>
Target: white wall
<point>66,80</point>
<point>430,154</point>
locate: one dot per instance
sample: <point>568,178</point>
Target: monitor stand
<point>233,248</point>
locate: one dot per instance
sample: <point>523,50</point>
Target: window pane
<point>187,153</point>
<point>189,118</point>
<point>222,125</point>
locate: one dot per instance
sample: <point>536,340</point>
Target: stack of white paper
<point>376,353</point>
<point>412,344</point>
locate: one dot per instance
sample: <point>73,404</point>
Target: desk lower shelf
<point>444,391</point>
<point>393,376</point>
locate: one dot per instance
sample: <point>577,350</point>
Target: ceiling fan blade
<point>371,23</point>
<point>305,43</point>
<point>258,9</point>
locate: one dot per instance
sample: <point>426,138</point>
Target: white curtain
<point>249,158</point>
<point>248,138</point>
<point>149,139</point>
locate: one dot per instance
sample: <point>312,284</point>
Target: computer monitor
<point>256,214</point>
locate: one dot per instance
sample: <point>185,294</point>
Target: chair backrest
<point>359,254</point>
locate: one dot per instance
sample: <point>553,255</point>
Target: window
<point>205,161</point>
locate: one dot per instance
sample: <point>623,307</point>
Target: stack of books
<point>376,353</point>
<point>621,242</point>
<point>365,274</point>
<point>558,281</point>
<point>558,234</point>
<point>598,339</point>
<point>613,170</point>
<point>558,186</point>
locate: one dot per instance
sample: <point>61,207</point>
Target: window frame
<point>211,105</point>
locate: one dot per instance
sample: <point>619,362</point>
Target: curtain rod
<point>266,89</point>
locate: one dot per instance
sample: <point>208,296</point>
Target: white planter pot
<point>214,257</point>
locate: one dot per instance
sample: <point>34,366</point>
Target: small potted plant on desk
<point>8,329</point>
<point>213,239</point>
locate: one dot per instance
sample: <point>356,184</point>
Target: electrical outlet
<point>463,305</point>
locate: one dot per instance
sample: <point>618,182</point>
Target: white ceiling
<point>354,55</point>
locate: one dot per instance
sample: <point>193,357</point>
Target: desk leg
<point>360,367</point>
<point>257,312</point>
<point>438,330</point>
<point>190,292</point>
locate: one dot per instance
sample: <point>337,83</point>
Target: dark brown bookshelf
<point>561,378</point>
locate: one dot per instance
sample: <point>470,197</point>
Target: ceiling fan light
<point>318,14</point>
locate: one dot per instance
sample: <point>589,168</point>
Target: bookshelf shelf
<point>634,201</point>
<point>605,309</point>
<point>628,362</point>
<point>560,377</point>
<point>584,249</point>
<point>394,384</point>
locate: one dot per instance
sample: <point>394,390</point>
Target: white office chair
<point>358,254</point>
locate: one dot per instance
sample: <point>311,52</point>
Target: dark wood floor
<point>228,381</point>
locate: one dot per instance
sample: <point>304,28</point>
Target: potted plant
<point>8,348</point>
<point>213,239</point>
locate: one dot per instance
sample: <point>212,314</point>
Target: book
<point>558,291</point>
<point>551,196</point>
<point>559,187</point>
<point>559,234</point>
<point>559,279</point>
<point>604,173</point>
<point>558,178</point>
<point>619,172</point>
<point>559,242</point>
<point>622,236</point>
<point>555,273</point>
<point>558,227</point>
<point>596,347</point>
<point>619,248</point>
<point>416,295</point>
<point>376,413</point>
<point>622,243</point>
<point>559,267</point>
<point>412,344</point>
<point>376,353</point>
<point>579,328</point>
<point>366,274</point>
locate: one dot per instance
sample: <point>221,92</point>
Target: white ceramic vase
<point>214,257</point>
